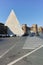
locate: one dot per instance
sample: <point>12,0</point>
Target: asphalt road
<point>12,49</point>
<point>35,58</point>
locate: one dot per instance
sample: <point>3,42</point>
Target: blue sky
<point>27,11</point>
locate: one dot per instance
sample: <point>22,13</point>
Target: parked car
<point>32,34</point>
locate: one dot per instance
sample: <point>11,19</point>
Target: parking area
<point>12,52</point>
<point>11,49</point>
<point>35,58</point>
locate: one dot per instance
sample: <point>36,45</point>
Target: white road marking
<point>15,61</point>
<point>7,51</point>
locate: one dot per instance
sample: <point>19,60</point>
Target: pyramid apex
<point>12,11</point>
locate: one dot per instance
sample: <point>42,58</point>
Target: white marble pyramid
<point>13,25</point>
